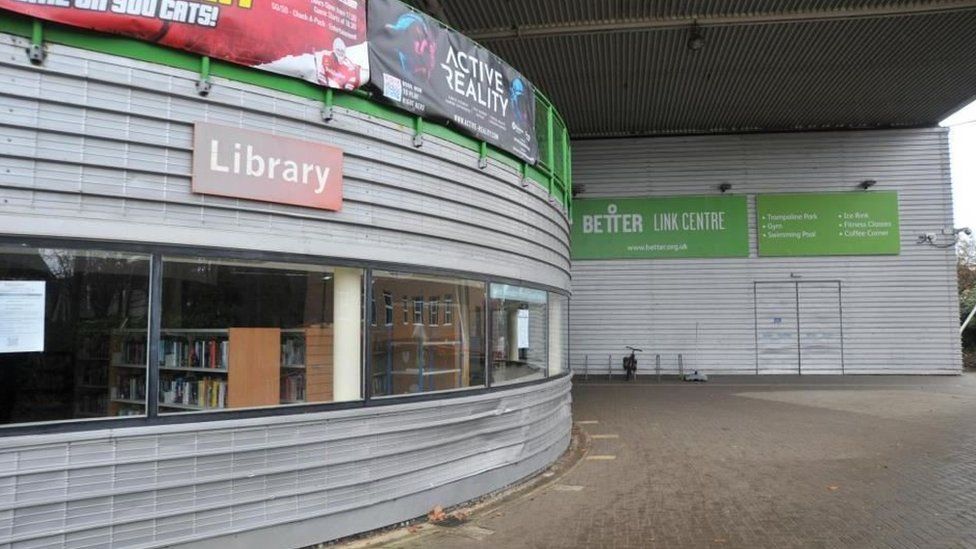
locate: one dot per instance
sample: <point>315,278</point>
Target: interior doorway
<point>799,327</point>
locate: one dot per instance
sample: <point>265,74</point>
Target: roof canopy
<point>625,67</point>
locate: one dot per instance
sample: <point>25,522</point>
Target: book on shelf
<point>197,392</point>
<point>134,351</point>
<point>91,405</point>
<point>293,351</point>
<point>184,352</point>
<point>293,387</point>
<point>128,387</point>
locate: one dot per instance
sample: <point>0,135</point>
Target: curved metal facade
<point>98,147</point>
<point>287,481</point>
<point>70,171</point>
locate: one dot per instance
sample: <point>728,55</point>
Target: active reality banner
<point>322,41</point>
<point>432,71</point>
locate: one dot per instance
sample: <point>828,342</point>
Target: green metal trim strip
<point>358,101</point>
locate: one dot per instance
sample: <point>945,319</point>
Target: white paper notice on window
<point>523,328</point>
<point>21,316</point>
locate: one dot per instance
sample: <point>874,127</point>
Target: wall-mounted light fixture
<point>696,40</point>
<point>724,187</point>
<point>949,240</point>
<point>867,184</point>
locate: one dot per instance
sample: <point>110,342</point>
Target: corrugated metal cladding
<point>287,481</point>
<point>97,146</point>
<point>622,68</point>
<point>476,15</point>
<point>859,315</point>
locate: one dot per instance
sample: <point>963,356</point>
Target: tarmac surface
<point>752,462</point>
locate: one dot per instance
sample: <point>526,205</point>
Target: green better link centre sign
<point>672,227</point>
<point>809,224</point>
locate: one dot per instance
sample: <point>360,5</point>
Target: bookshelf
<point>127,372</point>
<point>205,369</point>
<point>92,375</point>
<point>193,369</point>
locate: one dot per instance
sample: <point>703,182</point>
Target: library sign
<point>811,224</point>
<point>672,227</point>
<point>241,163</point>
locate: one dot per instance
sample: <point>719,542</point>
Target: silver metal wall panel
<point>99,147</point>
<point>102,145</point>
<point>220,483</point>
<point>900,313</point>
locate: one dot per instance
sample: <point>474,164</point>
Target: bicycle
<point>630,363</point>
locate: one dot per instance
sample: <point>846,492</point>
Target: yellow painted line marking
<point>588,422</point>
<point>601,457</point>
<point>602,437</point>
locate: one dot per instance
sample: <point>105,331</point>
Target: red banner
<point>322,41</point>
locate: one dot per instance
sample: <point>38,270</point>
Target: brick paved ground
<point>756,462</point>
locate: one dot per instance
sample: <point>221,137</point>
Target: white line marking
<point>567,488</point>
<point>601,457</point>
<point>603,437</point>
<point>588,422</point>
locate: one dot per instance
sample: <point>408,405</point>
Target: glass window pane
<point>519,322</point>
<point>73,334</point>
<point>432,356</point>
<point>558,334</point>
<point>239,334</point>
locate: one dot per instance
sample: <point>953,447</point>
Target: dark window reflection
<point>92,362</point>
<point>519,321</point>
<point>442,345</point>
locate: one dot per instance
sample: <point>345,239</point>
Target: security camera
<point>967,230</point>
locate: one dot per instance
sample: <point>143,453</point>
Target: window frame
<point>449,309</point>
<point>387,308</point>
<point>433,311</point>
<point>418,311</point>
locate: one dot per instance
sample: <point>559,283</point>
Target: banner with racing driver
<point>423,67</point>
<point>322,41</point>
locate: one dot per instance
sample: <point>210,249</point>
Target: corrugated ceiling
<point>616,67</point>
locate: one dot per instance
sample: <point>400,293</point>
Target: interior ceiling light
<point>696,40</point>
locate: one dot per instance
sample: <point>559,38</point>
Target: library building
<point>263,298</point>
<point>273,274</point>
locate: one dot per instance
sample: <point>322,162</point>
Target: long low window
<point>78,328</point>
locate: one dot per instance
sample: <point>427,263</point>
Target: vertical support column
<point>511,339</point>
<point>328,101</point>
<point>155,323</point>
<point>555,336</point>
<point>567,180</point>
<point>347,347</point>
<point>35,53</point>
<point>551,152</point>
<point>203,84</point>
